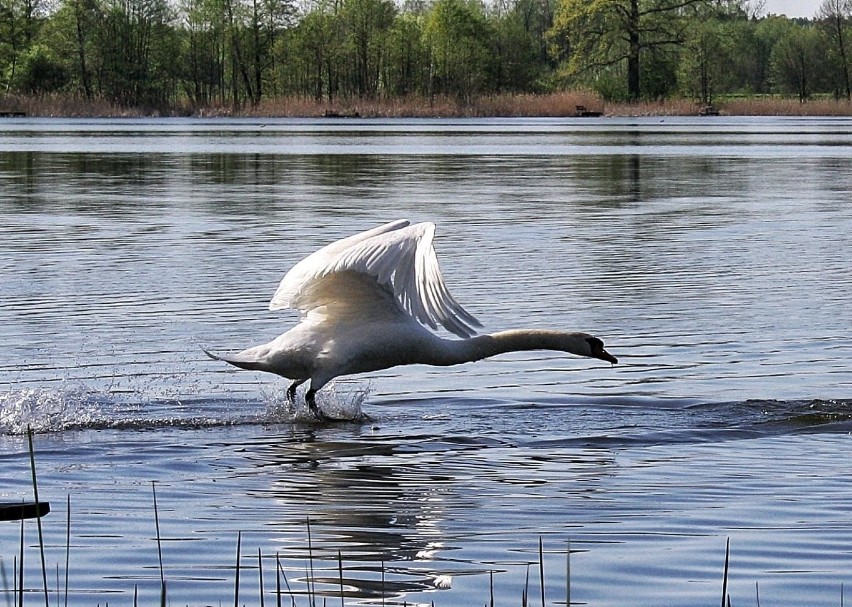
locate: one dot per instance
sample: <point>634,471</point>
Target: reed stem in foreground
<point>159,547</point>
<point>237,576</point>
<point>38,516</point>
<point>67,544</point>
<point>725,575</point>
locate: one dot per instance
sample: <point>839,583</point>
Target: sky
<point>793,8</point>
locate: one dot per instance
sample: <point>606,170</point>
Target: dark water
<point>712,256</point>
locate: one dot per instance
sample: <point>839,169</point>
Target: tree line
<point>163,54</point>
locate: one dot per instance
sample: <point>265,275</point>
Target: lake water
<point>711,255</point>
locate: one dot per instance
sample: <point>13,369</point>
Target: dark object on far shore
<point>708,110</point>
<point>12,114</point>
<point>582,112</point>
<point>345,114</point>
<point>15,511</point>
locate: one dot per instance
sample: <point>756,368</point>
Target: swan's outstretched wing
<point>398,257</point>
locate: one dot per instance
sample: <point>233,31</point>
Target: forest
<point>187,55</point>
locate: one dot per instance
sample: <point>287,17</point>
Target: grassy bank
<point>560,104</point>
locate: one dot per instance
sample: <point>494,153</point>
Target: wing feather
<point>400,258</point>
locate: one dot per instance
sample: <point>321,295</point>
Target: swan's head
<point>596,350</point>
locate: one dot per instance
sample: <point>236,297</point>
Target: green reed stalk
<point>568,575</point>
<point>311,582</point>
<point>38,515</point>
<point>67,544</point>
<point>526,591</point>
<point>237,577</point>
<point>277,581</point>
<point>260,574</point>
<point>541,567</point>
<point>491,585</point>
<point>20,576</point>
<point>725,576</point>
<point>159,547</point>
<point>340,572</point>
<point>284,575</point>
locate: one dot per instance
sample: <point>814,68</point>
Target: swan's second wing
<point>399,258</point>
<point>292,286</point>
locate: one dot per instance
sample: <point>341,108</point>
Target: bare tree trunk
<point>633,72</point>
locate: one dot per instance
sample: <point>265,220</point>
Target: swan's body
<point>366,302</point>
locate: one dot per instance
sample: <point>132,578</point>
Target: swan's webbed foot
<point>291,391</point>
<point>310,398</point>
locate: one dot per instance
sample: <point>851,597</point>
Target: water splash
<point>336,402</point>
<point>78,406</point>
<point>50,410</point>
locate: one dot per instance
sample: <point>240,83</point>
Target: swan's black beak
<point>604,355</point>
<point>597,348</point>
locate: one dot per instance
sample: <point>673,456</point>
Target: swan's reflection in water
<point>394,516</point>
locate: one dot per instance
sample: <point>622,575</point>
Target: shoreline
<point>569,104</point>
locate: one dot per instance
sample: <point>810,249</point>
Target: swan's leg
<point>291,391</point>
<point>310,398</point>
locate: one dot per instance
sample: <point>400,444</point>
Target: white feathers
<point>363,272</point>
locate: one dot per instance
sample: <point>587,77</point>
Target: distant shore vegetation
<point>446,58</point>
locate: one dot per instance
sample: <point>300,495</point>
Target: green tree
<point>705,58</point>
<point>797,60</point>
<point>520,57</point>
<point>136,53</point>
<point>203,50</point>
<point>68,37</point>
<point>458,38</point>
<point>367,24</point>
<point>835,16</point>
<point>20,21</point>
<point>39,72</point>
<point>406,68</point>
<point>314,51</point>
<point>598,34</point>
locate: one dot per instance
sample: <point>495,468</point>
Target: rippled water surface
<point>711,255</point>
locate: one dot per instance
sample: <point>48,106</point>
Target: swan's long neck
<point>454,352</point>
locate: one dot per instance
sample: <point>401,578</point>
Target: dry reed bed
<point>552,105</point>
<point>771,106</point>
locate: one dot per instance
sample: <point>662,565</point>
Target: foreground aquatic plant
<point>335,588</point>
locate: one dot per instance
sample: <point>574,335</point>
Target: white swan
<point>366,301</point>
